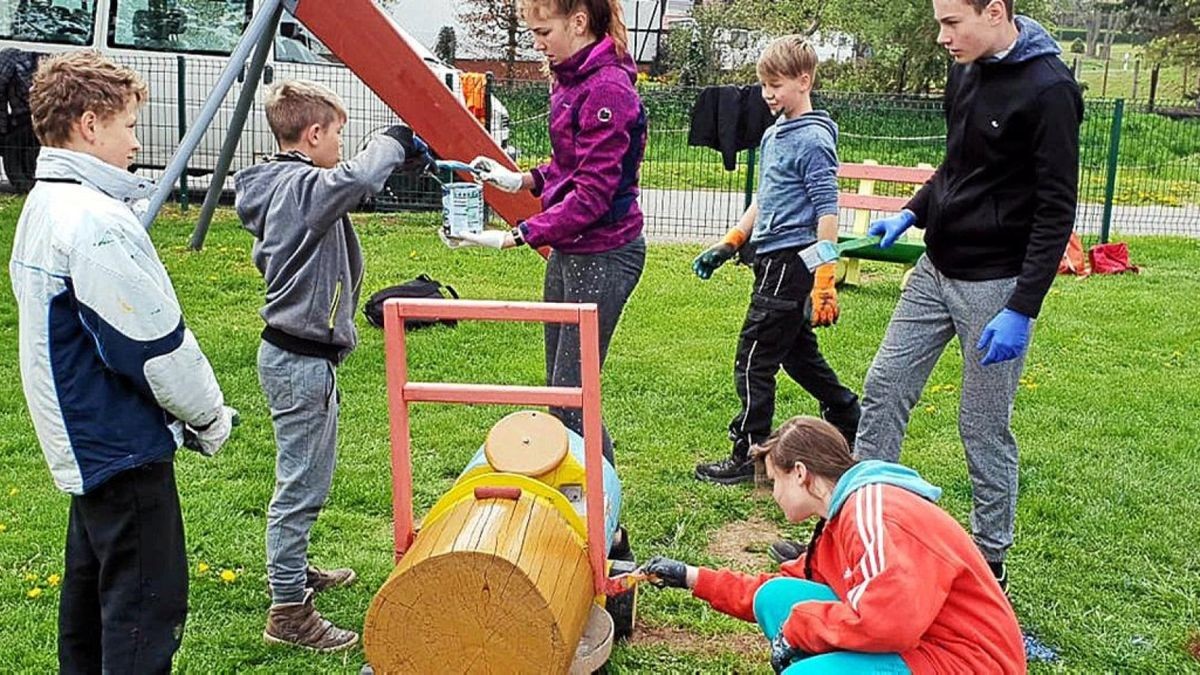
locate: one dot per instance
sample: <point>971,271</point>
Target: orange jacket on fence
<point>910,580</point>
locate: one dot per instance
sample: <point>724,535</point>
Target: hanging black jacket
<point>1002,204</point>
<point>730,119</point>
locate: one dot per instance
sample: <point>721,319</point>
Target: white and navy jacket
<point>108,368</point>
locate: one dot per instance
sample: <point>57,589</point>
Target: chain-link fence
<point>1139,168</point>
<point>1150,185</point>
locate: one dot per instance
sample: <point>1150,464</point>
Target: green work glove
<point>706,263</point>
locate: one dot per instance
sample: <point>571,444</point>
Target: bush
<point>1078,46</point>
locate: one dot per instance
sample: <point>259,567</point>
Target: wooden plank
<point>431,392</point>
<point>364,38</point>
<point>891,174</point>
<point>872,202</point>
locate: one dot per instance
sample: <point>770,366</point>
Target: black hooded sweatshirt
<point>1002,204</point>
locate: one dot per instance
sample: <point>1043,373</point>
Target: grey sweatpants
<point>607,279</point>
<point>932,310</point>
<point>302,393</point>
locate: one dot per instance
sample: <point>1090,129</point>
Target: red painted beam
<point>367,41</point>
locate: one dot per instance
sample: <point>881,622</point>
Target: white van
<point>163,39</point>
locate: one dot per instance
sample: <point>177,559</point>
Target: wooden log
<point>493,585</point>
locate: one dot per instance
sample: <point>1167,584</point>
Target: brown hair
<point>294,105</point>
<point>979,6</point>
<point>68,85</point>
<point>813,441</point>
<point>605,17</point>
<point>789,56</point>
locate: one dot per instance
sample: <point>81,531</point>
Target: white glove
<point>208,441</point>
<point>496,239</point>
<point>491,171</point>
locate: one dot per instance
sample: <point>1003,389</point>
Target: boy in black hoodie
<point>997,216</point>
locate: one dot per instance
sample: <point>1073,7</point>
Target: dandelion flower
<point>3,527</point>
<point>202,568</point>
<point>228,576</point>
<point>53,579</point>
<point>30,576</point>
<point>33,593</point>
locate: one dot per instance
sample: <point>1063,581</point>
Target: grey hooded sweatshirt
<point>306,248</point>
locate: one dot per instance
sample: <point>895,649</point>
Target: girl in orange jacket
<point>890,583</point>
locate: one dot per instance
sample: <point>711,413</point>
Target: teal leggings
<point>773,603</point>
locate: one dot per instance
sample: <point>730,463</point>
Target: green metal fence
<point>1139,167</point>
<point>1139,164</point>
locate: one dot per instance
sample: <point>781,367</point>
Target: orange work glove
<point>824,296</point>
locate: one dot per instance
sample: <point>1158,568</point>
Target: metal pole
<point>181,106</point>
<point>1110,179</point>
<point>234,134</point>
<point>1104,84</point>
<point>233,68</point>
<point>1153,88</point>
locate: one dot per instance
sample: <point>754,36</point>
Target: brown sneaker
<point>299,624</point>
<point>321,580</point>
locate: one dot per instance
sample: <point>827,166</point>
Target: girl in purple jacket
<point>589,189</point>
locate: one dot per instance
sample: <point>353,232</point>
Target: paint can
<point>462,209</point>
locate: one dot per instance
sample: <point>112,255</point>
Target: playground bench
<point>864,201</point>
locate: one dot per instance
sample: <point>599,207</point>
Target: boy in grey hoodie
<point>296,205</point>
<point>796,205</point>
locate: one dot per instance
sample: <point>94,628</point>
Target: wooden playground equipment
<point>906,250</point>
<point>509,570</point>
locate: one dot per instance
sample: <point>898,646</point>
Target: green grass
<point>1106,567</point>
<point>1171,85</point>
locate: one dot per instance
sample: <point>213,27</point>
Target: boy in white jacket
<point>112,377</point>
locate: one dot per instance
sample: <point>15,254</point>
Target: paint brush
<point>825,252</point>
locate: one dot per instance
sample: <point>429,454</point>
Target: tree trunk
<point>510,53</point>
<point>1093,31</point>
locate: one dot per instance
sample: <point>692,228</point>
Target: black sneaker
<point>728,471</point>
<point>785,550</point>
<point>1000,571</point>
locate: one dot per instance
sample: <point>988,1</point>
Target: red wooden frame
<point>402,392</point>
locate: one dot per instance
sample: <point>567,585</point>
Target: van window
<point>67,22</point>
<point>195,26</point>
<point>294,44</point>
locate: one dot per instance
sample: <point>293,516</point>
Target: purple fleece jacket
<point>589,188</point>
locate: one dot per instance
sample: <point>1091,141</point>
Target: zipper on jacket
<point>333,307</point>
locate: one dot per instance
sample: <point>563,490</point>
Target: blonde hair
<point>789,56</point>
<point>68,85</point>
<point>294,105</point>
<point>605,17</point>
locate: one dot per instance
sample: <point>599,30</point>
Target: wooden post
<point>862,219</point>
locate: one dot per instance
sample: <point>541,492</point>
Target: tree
<point>1177,39</point>
<point>494,27</point>
<point>447,45</point>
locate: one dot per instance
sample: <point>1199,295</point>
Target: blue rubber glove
<point>890,229</point>
<point>1005,337</point>
<point>783,654</point>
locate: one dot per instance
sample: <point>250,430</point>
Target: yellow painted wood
<point>852,275</point>
<point>492,585</point>
<point>465,490</point>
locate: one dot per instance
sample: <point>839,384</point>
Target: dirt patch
<point>743,544</point>
<point>746,645</point>
<point>1193,645</point>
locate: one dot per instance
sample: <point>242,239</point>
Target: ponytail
<point>605,17</point>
